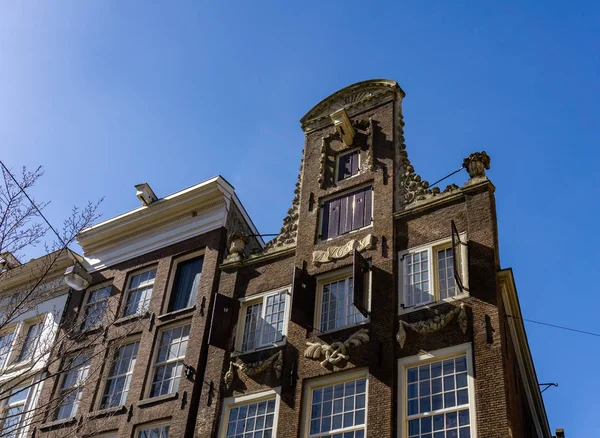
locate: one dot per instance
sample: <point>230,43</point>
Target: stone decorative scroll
<point>254,368</point>
<point>434,324</point>
<point>369,164</point>
<point>337,351</point>
<point>337,252</point>
<point>321,178</point>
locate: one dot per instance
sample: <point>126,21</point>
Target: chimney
<point>560,433</point>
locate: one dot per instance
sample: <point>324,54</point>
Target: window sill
<point>258,350</point>
<point>404,311</point>
<point>91,331</point>
<point>108,411</point>
<point>349,233</point>
<point>59,423</point>
<point>128,318</point>
<point>175,313</point>
<point>157,399</point>
<point>316,332</point>
<point>19,365</point>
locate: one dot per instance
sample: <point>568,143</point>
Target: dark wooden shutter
<point>361,293</point>
<point>325,221</point>
<point>334,218</point>
<point>359,210</point>
<point>368,205</point>
<point>222,321</point>
<point>304,289</point>
<point>456,249</point>
<point>345,214</point>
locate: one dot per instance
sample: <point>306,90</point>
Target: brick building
<point>379,310</point>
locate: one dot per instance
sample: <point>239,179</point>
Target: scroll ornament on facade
<point>254,368</point>
<point>337,351</point>
<point>337,252</point>
<point>434,324</point>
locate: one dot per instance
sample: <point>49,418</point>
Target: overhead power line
<point>556,326</point>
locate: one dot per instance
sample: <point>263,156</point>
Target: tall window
<point>12,414</point>
<point>30,342</point>
<point>159,431</point>
<point>139,292</point>
<point>347,213</point>
<point>436,401</point>
<point>6,341</point>
<point>95,308</point>
<point>186,283</point>
<point>337,308</point>
<point>428,273</point>
<point>347,165</point>
<point>169,361</point>
<point>119,379</point>
<point>264,320</point>
<point>252,419</point>
<point>337,409</point>
<point>76,370</point>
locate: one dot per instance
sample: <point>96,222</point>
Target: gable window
<point>436,394</point>
<point>347,213</point>
<point>335,303</point>
<point>95,308</point>
<point>169,360</point>
<point>76,370</point>
<point>336,406</point>
<point>139,292</point>
<point>185,284</point>
<point>12,414</point>
<point>158,431</point>
<point>252,415</point>
<point>30,342</point>
<point>119,379</point>
<point>428,274</point>
<point>348,164</point>
<point>264,320</point>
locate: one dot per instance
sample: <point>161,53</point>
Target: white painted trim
<point>155,423</point>
<point>328,380</point>
<point>434,356</point>
<point>433,285</point>
<point>244,302</point>
<point>231,402</point>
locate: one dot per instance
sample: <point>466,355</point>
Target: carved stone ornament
<point>321,177</point>
<point>434,324</point>
<point>476,163</point>
<point>237,242</point>
<point>337,351</point>
<point>254,368</point>
<point>337,252</point>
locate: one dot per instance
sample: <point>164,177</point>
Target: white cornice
<point>523,353</point>
<point>190,212</point>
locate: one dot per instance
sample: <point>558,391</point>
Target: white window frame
<point>128,290</point>
<point>19,341</point>
<point>80,386</point>
<point>144,427</point>
<point>157,348</point>
<point>340,194</point>
<point>176,261</point>
<point>87,303</point>
<point>337,164</point>
<point>107,376</point>
<point>332,277</point>
<point>232,402</point>
<point>251,300</point>
<point>432,248</point>
<point>465,349</point>
<point>14,329</point>
<point>23,415</point>
<point>332,379</point>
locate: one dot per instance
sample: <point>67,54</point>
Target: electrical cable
<point>555,326</point>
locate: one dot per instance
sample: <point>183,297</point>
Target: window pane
<point>416,279</point>
<point>272,326</point>
<point>71,389</point>
<point>337,309</point>
<point>347,165</point>
<point>169,363</point>
<point>5,344</point>
<point>252,419</point>
<point>446,273</point>
<point>139,292</point>
<point>117,384</point>
<point>185,286</point>
<point>95,309</point>
<point>155,432</point>
<point>337,408</point>
<point>31,339</point>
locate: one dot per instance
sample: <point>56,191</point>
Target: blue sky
<point>108,94</point>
